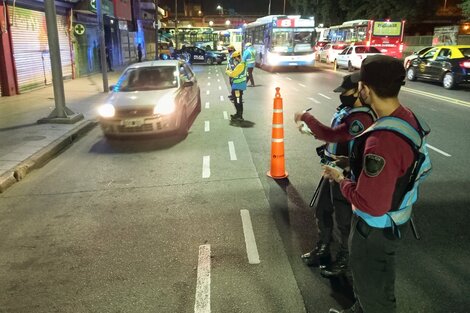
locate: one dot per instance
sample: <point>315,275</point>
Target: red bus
<point>386,35</point>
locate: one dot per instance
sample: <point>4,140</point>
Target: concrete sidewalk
<point>25,144</point>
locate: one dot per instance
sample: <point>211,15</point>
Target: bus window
<point>282,39</point>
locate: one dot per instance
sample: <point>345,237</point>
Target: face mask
<point>348,100</point>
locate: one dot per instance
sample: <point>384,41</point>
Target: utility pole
<point>269,8</point>
<point>176,24</point>
<point>156,30</point>
<point>61,114</point>
<point>284,9</point>
<point>104,63</point>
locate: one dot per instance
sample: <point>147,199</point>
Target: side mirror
<point>188,84</point>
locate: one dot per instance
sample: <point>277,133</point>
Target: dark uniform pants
<point>250,76</point>
<point>329,200</point>
<point>238,101</point>
<point>372,262</point>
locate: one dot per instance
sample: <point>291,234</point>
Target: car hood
<point>140,99</point>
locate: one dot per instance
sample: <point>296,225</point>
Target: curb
<point>44,155</point>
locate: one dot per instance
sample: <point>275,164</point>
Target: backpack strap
<point>399,126</point>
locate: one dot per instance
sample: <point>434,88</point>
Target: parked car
<point>408,59</point>
<point>449,65</point>
<point>199,55</point>
<point>352,57</point>
<point>330,51</point>
<point>150,98</point>
<point>319,47</point>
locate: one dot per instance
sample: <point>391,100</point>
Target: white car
<point>150,98</point>
<point>352,57</point>
<point>330,51</point>
<point>408,59</point>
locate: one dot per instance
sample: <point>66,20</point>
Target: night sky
<point>246,7</point>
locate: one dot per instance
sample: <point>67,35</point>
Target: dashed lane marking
<point>206,166</point>
<point>207,105</point>
<point>324,96</point>
<point>438,150</point>
<point>225,115</point>
<point>207,92</point>
<point>220,87</point>
<point>314,100</point>
<point>221,98</point>
<point>231,149</point>
<point>302,85</point>
<point>250,241</point>
<point>218,80</point>
<point>289,78</point>
<point>207,126</point>
<point>209,83</point>
<point>203,283</point>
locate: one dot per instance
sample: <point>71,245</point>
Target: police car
<point>198,55</point>
<point>449,65</point>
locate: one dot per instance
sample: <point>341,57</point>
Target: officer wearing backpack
<point>350,119</point>
<point>388,161</point>
<point>249,56</point>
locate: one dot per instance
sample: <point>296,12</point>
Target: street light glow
<point>227,22</point>
<point>211,23</point>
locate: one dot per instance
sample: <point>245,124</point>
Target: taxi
<point>449,65</point>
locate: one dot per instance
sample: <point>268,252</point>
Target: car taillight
<point>465,64</point>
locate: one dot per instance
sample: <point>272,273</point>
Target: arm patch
<point>373,165</point>
<point>356,128</point>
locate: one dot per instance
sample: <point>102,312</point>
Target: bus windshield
<point>292,40</point>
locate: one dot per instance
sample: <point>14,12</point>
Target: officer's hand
<point>342,161</point>
<point>298,116</point>
<point>227,72</point>
<point>333,173</point>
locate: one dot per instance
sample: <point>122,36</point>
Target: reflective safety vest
<point>334,149</point>
<point>241,78</point>
<point>249,55</point>
<point>407,186</point>
<point>230,65</point>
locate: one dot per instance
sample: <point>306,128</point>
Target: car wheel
<point>220,62</point>
<point>411,74</point>
<point>448,82</point>
<point>350,67</point>
<point>210,61</point>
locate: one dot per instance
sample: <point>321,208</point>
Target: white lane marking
<point>221,98</point>
<point>439,97</point>
<point>438,150</point>
<point>207,92</point>
<point>217,74</point>
<point>203,283</point>
<point>209,76</point>
<point>206,166</point>
<point>289,78</point>
<point>207,126</point>
<point>250,242</point>
<point>314,100</point>
<point>324,96</point>
<point>207,105</point>
<point>302,85</point>
<point>231,149</point>
<point>220,87</point>
<point>209,83</point>
<point>218,80</point>
<point>225,115</point>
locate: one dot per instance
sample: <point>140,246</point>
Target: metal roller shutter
<point>31,48</point>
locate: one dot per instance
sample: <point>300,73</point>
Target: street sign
<point>79,29</point>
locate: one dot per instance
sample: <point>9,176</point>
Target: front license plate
<point>135,122</point>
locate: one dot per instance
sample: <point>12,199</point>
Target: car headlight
<point>274,58</point>
<point>165,106</point>
<point>107,110</point>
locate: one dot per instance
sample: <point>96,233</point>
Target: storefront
<point>31,48</point>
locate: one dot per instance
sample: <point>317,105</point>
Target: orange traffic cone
<point>277,170</point>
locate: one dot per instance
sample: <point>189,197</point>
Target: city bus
<point>230,37</point>
<point>282,40</point>
<point>387,36</point>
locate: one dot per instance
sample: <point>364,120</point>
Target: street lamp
<point>220,9</point>
<point>211,23</point>
<point>227,23</point>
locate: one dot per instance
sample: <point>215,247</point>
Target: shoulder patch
<point>356,128</point>
<point>373,165</point>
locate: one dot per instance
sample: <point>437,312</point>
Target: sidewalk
<point>25,144</point>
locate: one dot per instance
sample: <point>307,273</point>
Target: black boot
<point>320,256</point>
<point>338,267</point>
<point>356,308</point>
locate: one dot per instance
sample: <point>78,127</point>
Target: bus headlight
<point>107,110</point>
<point>273,58</point>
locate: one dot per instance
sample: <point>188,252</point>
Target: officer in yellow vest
<point>238,76</point>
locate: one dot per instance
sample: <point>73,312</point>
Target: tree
<point>466,9</point>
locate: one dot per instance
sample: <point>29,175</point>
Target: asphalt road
<point>118,226</point>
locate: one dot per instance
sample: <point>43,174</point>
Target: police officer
<point>350,120</point>
<point>381,163</point>
<point>249,56</point>
<point>238,84</point>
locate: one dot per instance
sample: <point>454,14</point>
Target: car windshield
<point>148,78</point>
<point>367,50</point>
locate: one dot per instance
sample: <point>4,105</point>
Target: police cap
<point>382,71</point>
<point>349,82</point>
